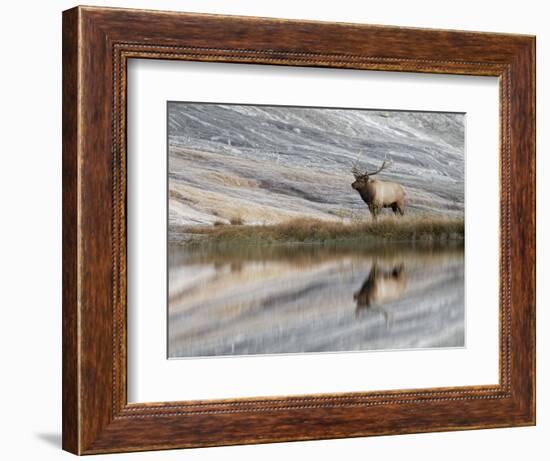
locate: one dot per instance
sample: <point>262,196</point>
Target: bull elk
<point>378,194</point>
<point>381,286</point>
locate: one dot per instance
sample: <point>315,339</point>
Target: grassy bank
<point>408,228</point>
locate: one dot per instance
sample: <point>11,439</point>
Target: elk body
<point>379,194</point>
<point>381,286</point>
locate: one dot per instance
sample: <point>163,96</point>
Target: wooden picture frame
<point>97,44</point>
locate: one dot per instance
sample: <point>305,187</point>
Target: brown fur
<point>380,194</point>
<point>381,286</point>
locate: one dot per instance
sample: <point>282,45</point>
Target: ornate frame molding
<point>97,44</point>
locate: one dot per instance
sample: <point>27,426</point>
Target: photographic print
<point>309,229</point>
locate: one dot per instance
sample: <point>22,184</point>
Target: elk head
<point>362,177</point>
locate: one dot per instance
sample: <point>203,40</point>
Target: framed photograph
<point>284,230</point>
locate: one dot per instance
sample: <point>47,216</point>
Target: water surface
<point>296,298</point>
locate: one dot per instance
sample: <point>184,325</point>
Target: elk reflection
<point>382,286</point>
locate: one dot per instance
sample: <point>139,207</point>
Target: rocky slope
<point>266,164</point>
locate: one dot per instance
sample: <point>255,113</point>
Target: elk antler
<point>355,169</point>
<point>385,165</point>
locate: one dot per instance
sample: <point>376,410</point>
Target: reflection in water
<point>381,286</point>
<point>240,300</point>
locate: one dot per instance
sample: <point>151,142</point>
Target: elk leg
<point>395,208</point>
<point>401,207</point>
<point>387,317</point>
<point>374,211</point>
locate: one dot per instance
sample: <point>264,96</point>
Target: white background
<point>153,378</point>
<point>30,247</point>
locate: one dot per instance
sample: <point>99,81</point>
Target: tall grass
<point>408,228</point>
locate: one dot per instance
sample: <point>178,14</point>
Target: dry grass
<point>236,221</point>
<point>408,228</point>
